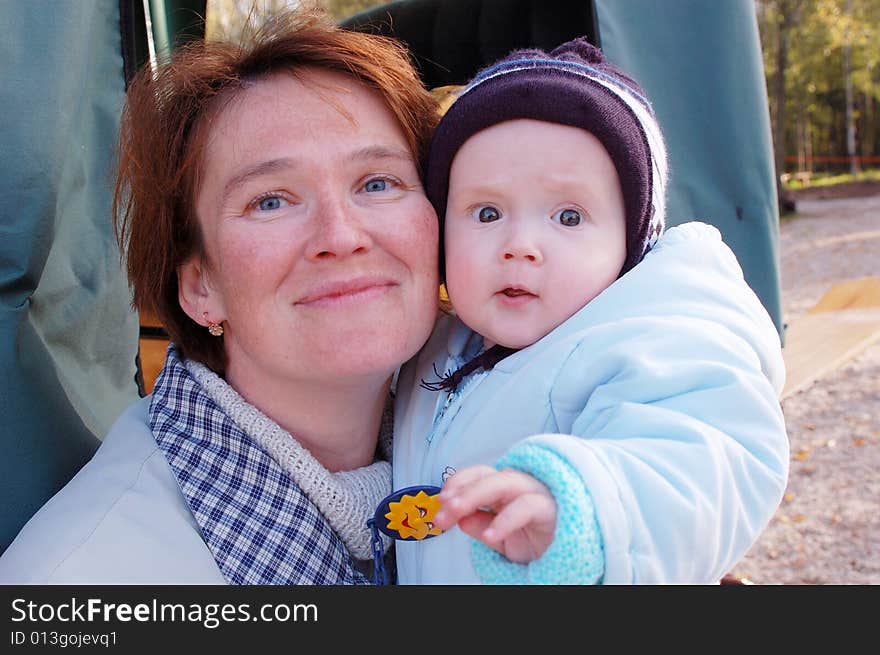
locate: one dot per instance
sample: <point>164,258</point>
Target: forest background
<point>823,80</point>
<point>822,65</point>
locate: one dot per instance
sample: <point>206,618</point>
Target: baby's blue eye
<point>488,214</point>
<point>568,217</point>
<point>375,185</point>
<point>270,203</point>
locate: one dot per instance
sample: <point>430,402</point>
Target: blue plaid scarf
<point>259,525</point>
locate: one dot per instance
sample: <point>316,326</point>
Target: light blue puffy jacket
<point>652,414</point>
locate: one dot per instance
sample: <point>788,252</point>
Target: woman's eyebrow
<point>381,152</point>
<point>255,170</point>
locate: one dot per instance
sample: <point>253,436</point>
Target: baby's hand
<point>509,511</point>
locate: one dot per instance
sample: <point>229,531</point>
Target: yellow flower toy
<point>409,513</point>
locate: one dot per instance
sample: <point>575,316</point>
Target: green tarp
<point>700,62</point>
<point>68,337</point>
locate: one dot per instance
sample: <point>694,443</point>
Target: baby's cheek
<point>460,281</point>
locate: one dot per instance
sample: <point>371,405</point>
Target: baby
<point>602,407</point>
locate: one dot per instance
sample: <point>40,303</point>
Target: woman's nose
<point>339,230</point>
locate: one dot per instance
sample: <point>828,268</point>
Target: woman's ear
<point>197,299</point>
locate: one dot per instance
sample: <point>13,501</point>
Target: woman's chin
<point>372,356</point>
<point>380,342</point>
<point>380,357</point>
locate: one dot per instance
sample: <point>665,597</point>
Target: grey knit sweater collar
<point>345,498</point>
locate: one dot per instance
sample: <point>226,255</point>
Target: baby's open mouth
<point>510,292</point>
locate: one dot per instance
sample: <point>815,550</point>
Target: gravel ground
<point>827,529</point>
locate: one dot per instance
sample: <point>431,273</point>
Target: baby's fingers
<point>452,510</point>
<point>484,492</point>
<point>452,507</point>
<point>490,489</point>
<point>529,512</point>
<point>475,525</point>
<point>464,478</point>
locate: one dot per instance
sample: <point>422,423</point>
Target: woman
<point>272,216</point>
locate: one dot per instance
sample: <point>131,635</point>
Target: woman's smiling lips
<point>344,291</point>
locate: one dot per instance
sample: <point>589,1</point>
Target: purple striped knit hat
<point>575,86</point>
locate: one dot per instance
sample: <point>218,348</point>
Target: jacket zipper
<point>442,421</point>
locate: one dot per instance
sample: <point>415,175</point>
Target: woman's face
<point>320,248</point>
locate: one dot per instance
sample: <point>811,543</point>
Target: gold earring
<point>214,329</point>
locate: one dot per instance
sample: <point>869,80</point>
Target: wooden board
<point>152,351</point>
<point>861,293</point>
<point>152,358</point>
<point>845,321</point>
<point>817,344</point>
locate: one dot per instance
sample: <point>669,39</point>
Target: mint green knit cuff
<point>576,555</point>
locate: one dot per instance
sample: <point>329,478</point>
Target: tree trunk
<point>779,98</point>
<point>802,143</point>
<point>809,145</point>
<point>850,115</point>
<point>869,133</point>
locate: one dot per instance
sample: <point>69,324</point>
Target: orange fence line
<point>834,159</point>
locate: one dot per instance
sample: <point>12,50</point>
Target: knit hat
<point>575,86</point>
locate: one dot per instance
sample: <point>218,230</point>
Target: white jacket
<point>121,520</point>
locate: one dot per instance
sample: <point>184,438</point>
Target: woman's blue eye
<point>488,214</point>
<point>269,203</point>
<point>568,217</point>
<point>375,185</point>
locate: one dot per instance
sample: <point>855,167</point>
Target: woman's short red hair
<point>161,144</point>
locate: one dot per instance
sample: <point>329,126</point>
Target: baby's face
<point>535,228</point>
